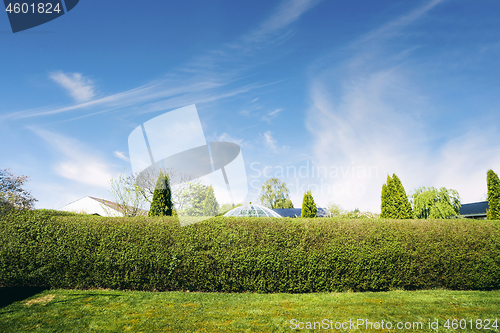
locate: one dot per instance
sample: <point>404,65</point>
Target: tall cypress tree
<point>395,203</point>
<point>309,208</point>
<point>403,206</point>
<point>493,182</point>
<point>387,204</point>
<point>162,197</point>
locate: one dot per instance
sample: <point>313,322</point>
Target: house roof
<point>115,206</point>
<point>291,212</point>
<point>475,208</point>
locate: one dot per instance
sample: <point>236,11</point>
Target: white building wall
<point>88,205</point>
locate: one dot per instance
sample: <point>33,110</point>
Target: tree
<point>162,197</point>
<point>210,204</point>
<point>146,181</point>
<point>284,204</point>
<point>273,191</point>
<point>335,210</point>
<point>401,199</point>
<point>385,207</point>
<point>128,195</point>
<point>12,195</point>
<point>395,203</point>
<point>431,203</point>
<point>309,208</point>
<point>493,212</point>
<point>134,192</point>
<point>192,199</point>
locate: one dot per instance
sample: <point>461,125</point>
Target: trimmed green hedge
<point>40,248</point>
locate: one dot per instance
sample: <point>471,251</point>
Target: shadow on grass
<point>9,295</point>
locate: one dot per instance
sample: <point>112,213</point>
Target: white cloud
<point>270,141</point>
<point>78,86</point>
<point>121,155</point>
<point>366,135</point>
<point>394,27</point>
<point>200,80</point>
<point>77,162</point>
<point>374,121</point>
<point>268,117</point>
<point>286,13</point>
<point>225,137</point>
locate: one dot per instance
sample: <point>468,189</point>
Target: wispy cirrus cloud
<point>286,13</point>
<point>394,27</point>
<point>368,114</point>
<point>225,137</point>
<point>121,155</point>
<point>212,76</point>
<point>270,141</point>
<point>78,86</point>
<point>269,116</point>
<point>272,144</point>
<point>76,162</point>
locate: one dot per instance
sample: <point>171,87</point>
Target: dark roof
<point>475,208</point>
<point>288,212</point>
<point>291,212</point>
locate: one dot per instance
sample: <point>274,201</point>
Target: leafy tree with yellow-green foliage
<point>210,204</point>
<point>274,194</point>
<point>431,203</point>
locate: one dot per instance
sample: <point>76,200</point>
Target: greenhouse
<point>252,210</point>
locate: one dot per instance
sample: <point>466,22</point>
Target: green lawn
<point>116,311</point>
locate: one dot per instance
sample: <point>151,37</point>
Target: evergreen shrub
<point>162,197</point>
<point>493,182</point>
<point>247,254</point>
<point>309,208</point>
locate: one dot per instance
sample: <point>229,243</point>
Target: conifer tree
<point>385,205</point>
<point>403,206</point>
<point>493,182</point>
<point>210,205</point>
<point>395,203</point>
<point>162,197</point>
<point>309,208</point>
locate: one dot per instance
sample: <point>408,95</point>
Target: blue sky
<point>326,95</point>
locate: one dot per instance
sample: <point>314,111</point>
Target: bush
<point>162,197</point>
<point>395,204</point>
<point>54,212</point>
<point>309,208</point>
<point>359,215</point>
<point>247,254</point>
<point>493,212</point>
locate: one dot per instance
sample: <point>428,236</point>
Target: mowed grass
<point>116,311</point>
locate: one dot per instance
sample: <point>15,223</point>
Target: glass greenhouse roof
<point>252,210</point>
